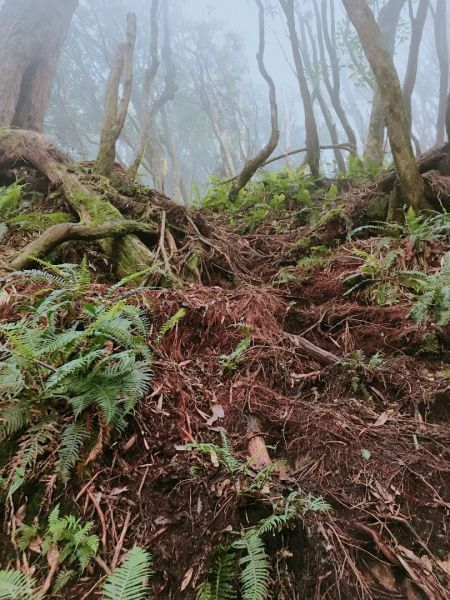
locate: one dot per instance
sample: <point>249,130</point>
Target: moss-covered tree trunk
<point>128,253</point>
<point>32,34</point>
<point>388,22</point>
<point>116,107</point>
<point>395,117</point>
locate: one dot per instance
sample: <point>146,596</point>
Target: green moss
<point>98,209</point>
<point>430,344</point>
<point>37,221</point>
<point>303,243</point>
<point>331,215</point>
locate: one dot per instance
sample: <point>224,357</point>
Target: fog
<point>218,41</point>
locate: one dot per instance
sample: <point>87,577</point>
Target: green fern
<point>73,438</point>
<point>418,228</point>
<point>129,581</point>
<point>72,538</point>
<point>16,586</point>
<point>64,355</point>
<point>230,362</point>
<point>63,579</point>
<point>25,534</point>
<point>10,198</point>
<point>12,419</point>
<point>170,324</point>
<point>220,584</point>
<point>255,566</point>
<point>128,279</point>
<point>432,294</point>
<point>31,447</point>
<point>224,453</point>
<point>11,380</point>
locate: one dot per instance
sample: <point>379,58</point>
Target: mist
<point>224,38</point>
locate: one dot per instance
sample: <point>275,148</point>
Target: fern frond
<point>227,455</point>
<point>232,360</point>
<point>11,380</point>
<point>32,445</point>
<point>204,591</point>
<point>275,522</point>
<point>12,420</point>
<point>71,443</point>
<point>255,566</point>
<point>76,365</point>
<point>84,280</point>
<point>128,279</point>
<point>170,324</point>
<point>64,577</point>
<point>221,577</point>
<point>311,503</point>
<point>129,581</point>
<point>16,586</point>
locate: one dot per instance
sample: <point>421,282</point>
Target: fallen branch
<point>257,449</point>
<point>322,356</point>
<point>64,232</point>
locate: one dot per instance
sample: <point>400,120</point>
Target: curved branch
<point>344,146</point>
<point>255,163</point>
<point>64,232</point>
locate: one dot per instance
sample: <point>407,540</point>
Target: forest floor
<point>335,396</point>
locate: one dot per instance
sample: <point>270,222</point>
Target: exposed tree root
<point>65,232</point>
<point>19,146</point>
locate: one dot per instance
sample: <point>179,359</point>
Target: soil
<point>373,443</point>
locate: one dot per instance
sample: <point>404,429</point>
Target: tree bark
<point>129,253</point>
<point>388,23</point>
<point>149,77</point>
<point>411,70</point>
<point>312,136</point>
<point>255,163</point>
<point>32,35</point>
<point>64,232</point>
<point>334,87</point>
<point>116,109</point>
<point>317,93</point>
<point>447,119</point>
<point>441,37</point>
<point>410,182</point>
<point>167,94</point>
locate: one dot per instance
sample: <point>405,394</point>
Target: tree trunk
<point>32,35</point>
<point>167,94</point>
<point>417,26</point>
<point>116,109</point>
<point>447,119</point>
<point>410,182</point>
<point>252,165</point>
<point>317,92</point>
<point>388,23</point>
<point>441,37</point>
<point>16,145</point>
<point>149,77</point>
<point>312,136</point>
<point>334,89</point>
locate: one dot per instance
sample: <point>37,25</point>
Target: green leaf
<point>129,581</point>
<point>16,586</point>
<point>255,566</point>
<point>72,441</point>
